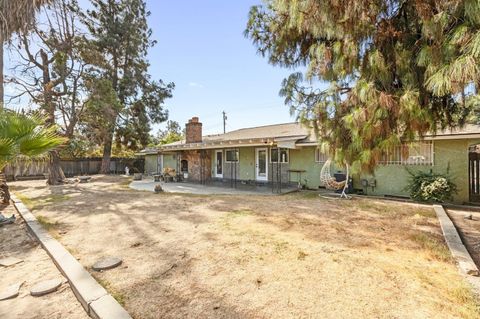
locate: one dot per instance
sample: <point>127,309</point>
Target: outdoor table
<point>299,175</point>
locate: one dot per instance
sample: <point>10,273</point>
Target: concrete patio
<point>212,188</point>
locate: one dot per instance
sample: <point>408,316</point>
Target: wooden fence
<point>72,167</point>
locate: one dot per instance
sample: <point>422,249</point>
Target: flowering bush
<point>431,187</point>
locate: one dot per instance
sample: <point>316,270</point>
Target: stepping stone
<point>46,287</point>
<point>107,263</point>
<point>11,291</point>
<point>9,261</point>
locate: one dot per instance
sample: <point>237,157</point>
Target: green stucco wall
<point>151,162</point>
<point>299,159</point>
<point>452,154</point>
<point>245,166</point>
<point>304,158</point>
<point>247,163</point>
<point>390,179</point>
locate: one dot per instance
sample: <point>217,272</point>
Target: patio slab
<point>213,188</point>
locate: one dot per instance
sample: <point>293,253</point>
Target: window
<point>320,157</point>
<point>283,155</point>
<point>417,153</point>
<point>231,156</point>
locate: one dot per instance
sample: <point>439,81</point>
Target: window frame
<point>237,151</point>
<point>279,153</point>
<point>317,156</point>
<point>395,156</point>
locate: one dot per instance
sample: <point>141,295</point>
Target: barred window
<point>416,153</point>
<point>320,157</point>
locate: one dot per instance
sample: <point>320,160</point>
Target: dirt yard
<point>290,256</point>
<point>469,229</point>
<point>16,242</point>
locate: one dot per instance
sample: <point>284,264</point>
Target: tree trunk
<point>107,153</point>
<point>55,176</point>
<point>4,192</point>
<point>1,73</point>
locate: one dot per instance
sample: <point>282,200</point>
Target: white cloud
<point>195,84</point>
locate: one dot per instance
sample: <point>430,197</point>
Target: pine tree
<point>120,33</point>
<point>396,69</point>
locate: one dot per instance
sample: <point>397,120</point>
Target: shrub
<point>430,187</point>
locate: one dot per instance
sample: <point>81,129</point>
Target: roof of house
<point>267,131</point>
<point>467,131</point>
<point>287,133</point>
<point>259,135</point>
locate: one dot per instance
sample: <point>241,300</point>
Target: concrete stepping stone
<point>46,287</point>
<point>107,263</point>
<point>11,291</point>
<point>9,261</point>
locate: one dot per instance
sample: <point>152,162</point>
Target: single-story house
<point>289,153</point>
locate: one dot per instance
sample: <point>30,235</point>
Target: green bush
<point>430,187</point>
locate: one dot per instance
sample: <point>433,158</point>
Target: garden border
<point>96,301</point>
<point>458,250</point>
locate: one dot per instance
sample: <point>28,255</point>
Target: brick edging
<point>458,250</point>
<point>96,301</point>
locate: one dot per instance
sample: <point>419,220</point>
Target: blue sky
<point>201,48</point>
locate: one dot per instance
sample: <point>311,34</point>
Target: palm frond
<point>25,135</point>
<point>16,15</point>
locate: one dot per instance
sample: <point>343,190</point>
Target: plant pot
<point>137,176</point>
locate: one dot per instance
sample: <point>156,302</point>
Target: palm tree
<point>23,136</point>
<point>15,15</point>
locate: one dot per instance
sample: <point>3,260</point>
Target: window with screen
<point>231,155</point>
<point>279,155</point>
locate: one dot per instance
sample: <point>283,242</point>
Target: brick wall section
<point>195,165</point>
<point>193,131</point>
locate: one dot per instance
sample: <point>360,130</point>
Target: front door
<point>261,165</point>
<point>219,164</point>
<point>474,176</point>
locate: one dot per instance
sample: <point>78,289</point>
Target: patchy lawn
<point>256,256</point>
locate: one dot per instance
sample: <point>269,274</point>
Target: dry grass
<point>296,255</point>
<point>119,297</point>
<point>38,203</point>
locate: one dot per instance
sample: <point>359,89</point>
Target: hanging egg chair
<point>331,183</point>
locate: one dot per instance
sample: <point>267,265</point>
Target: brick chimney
<point>193,131</point>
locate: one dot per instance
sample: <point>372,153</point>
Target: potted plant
<point>137,176</point>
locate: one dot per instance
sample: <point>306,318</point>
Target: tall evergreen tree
<point>396,69</point>
<point>121,35</point>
